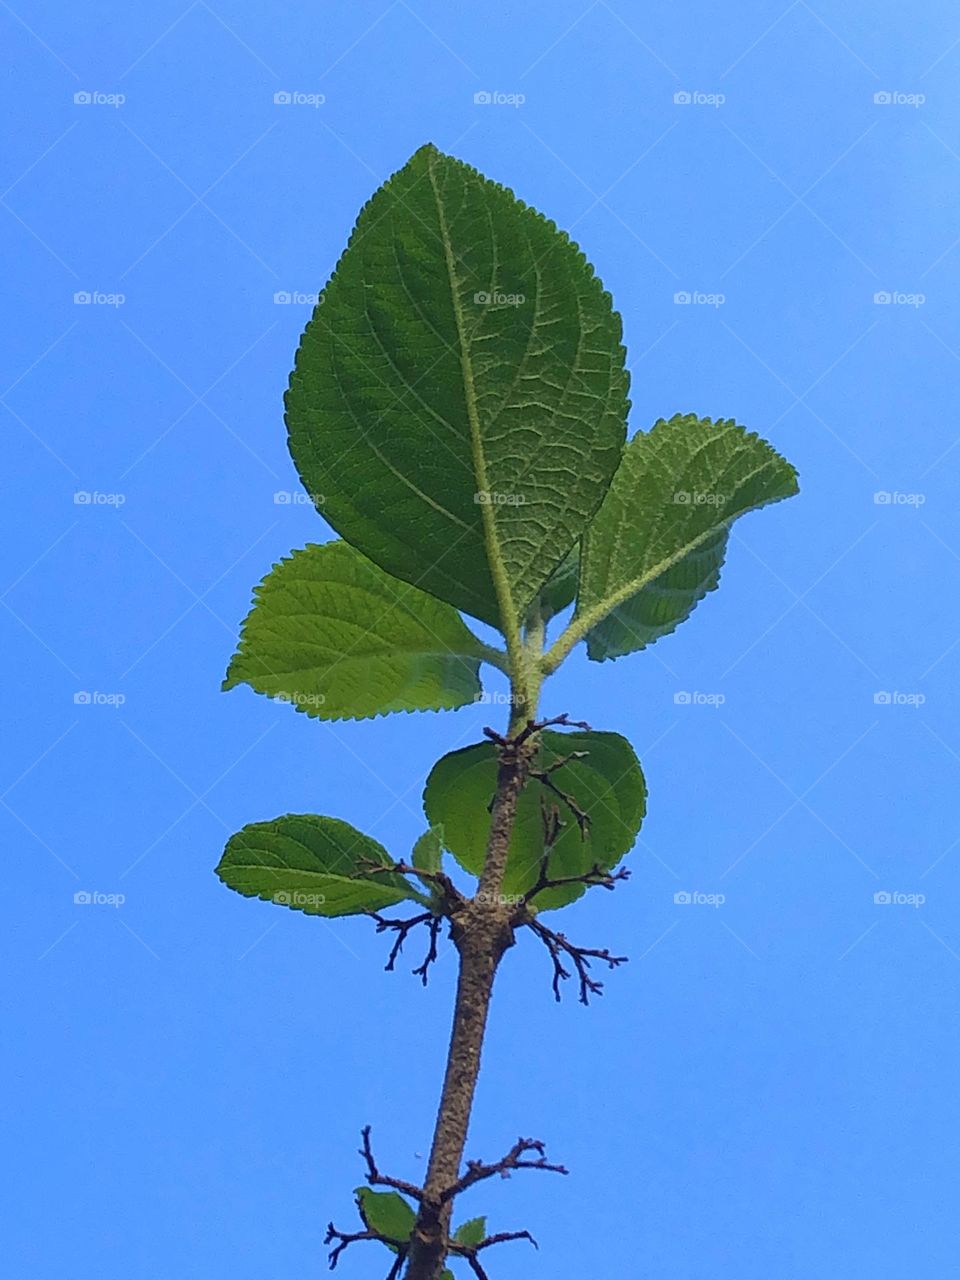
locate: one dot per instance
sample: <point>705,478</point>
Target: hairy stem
<point>482,933</point>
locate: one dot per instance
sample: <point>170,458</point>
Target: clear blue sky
<point>770,1087</point>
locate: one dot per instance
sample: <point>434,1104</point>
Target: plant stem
<point>481,933</point>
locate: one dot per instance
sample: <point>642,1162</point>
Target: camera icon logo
<point>682,898</point>
<point>883,98</point>
<point>681,699</point>
<point>282,98</point>
<point>882,898</point>
<point>82,99</point>
<point>682,98</point>
<point>81,698</point>
<point>881,698</point>
<point>483,98</point>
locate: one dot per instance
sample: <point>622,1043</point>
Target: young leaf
<point>427,853</point>
<point>459,396</point>
<point>678,486</point>
<point>607,785</point>
<point>472,1232</point>
<point>386,1212</point>
<point>317,865</point>
<point>333,634</point>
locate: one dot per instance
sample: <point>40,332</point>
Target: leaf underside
<point>464,359</point>
<point>656,545</point>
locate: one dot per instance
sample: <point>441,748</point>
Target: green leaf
<point>458,401</point>
<point>472,1232</point>
<point>659,608</point>
<point>608,785</point>
<point>428,851</point>
<point>386,1212</point>
<point>311,864</point>
<point>335,636</point>
<point>676,492</point>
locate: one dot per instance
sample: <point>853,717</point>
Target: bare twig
<point>402,928</point>
<point>596,877</point>
<point>558,946</point>
<point>378,1179</point>
<point>532,727</point>
<point>477,1171</point>
<point>346,1238</point>
<point>470,1251</point>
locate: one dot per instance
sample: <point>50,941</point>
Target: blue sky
<point>770,1086</point>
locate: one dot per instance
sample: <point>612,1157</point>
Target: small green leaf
<point>335,636</point>
<point>607,784</point>
<point>312,864</point>
<point>458,402</point>
<point>677,490</point>
<point>428,851</point>
<point>386,1212</point>
<point>472,1232</point>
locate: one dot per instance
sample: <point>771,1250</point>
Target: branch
<point>377,1179</point>
<point>477,1171</point>
<point>557,945</point>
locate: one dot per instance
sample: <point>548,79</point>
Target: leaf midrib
<point>501,583</point>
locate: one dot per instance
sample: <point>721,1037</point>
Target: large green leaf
<point>386,1212</point>
<point>458,401</point>
<point>676,492</point>
<point>312,864</point>
<point>608,785</point>
<point>336,636</point>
